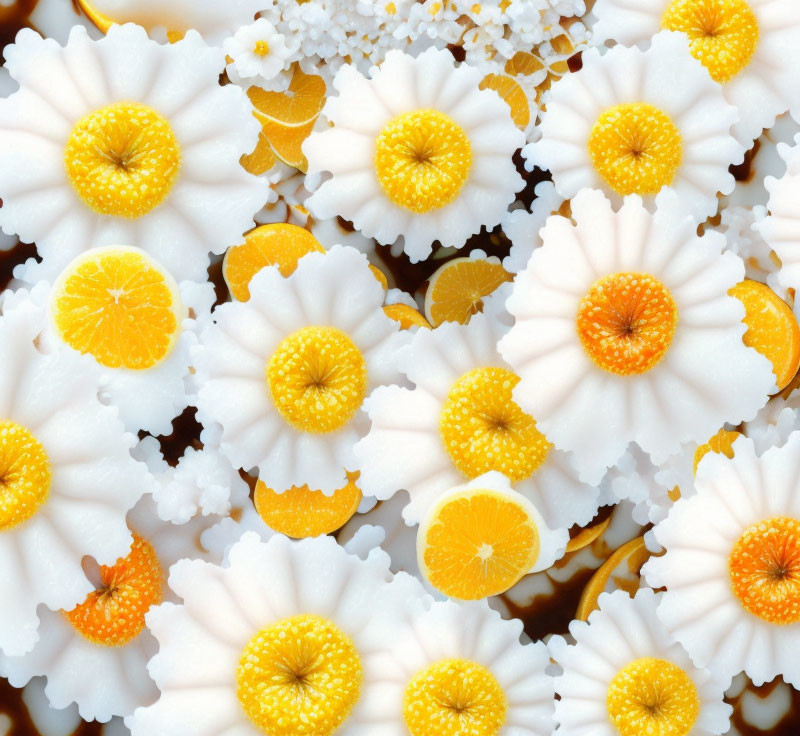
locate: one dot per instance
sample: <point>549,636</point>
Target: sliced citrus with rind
<point>380,276</point>
<point>511,92</point>
<point>457,289</point>
<point>299,105</point>
<point>406,316</point>
<point>478,542</point>
<point>286,141</point>
<point>772,328</point>
<point>261,160</point>
<point>120,306</point>
<point>302,512</point>
<point>279,244</point>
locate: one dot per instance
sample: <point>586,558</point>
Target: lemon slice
<point>457,289</point>
<point>406,316</point>
<point>120,306</point>
<point>772,328</point>
<point>478,542</point>
<point>279,244</point>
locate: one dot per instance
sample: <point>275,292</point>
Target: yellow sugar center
<point>765,570</point>
<point>113,615</point>
<point>483,429</point>
<point>454,697</point>
<point>123,159</point>
<point>723,34</point>
<point>635,148</point>
<point>301,675</point>
<point>119,306</point>
<point>261,48</point>
<point>652,697</point>
<point>626,322</point>
<point>25,475</point>
<point>317,379</point>
<point>422,159</point>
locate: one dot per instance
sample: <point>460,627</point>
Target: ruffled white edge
<point>522,227</point>
<point>404,448</point>
<point>202,639</point>
<point>623,630</point>
<point>359,113</point>
<point>211,203</point>
<point>699,608</point>
<point>334,288</point>
<point>707,376</point>
<point>764,89</point>
<point>95,481</point>
<point>665,76</point>
<point>473,631</point>
<point>781,228</point>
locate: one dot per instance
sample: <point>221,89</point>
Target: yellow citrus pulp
<point>764,567</point>
<point>457,289</point>
<point>483,429</point>
<point>723,34</point>
<point>113,615</point>
<point>407,316</point>
<point>118,305</point>
<point>279,244</point>
<point>652,697</point>
<point>422,159</point>
<point>721,442</point>
<point>301,675</point>
<point>454,697</point>
<point>635,148</point>
<point>301,512</point>
<point>317,378</point>
<point>123,159</point>
<point>512,94</point>
<point>626,322</point>
<point>772,328</point>
<point>478,542</point>
<point>25,475</point>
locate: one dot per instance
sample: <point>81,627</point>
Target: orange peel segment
<point>301,512</point>
<point>772,328</point>
<point>633,553</point>
<point>478,542</point>
<point>457,289</point>
<point>279,244</point>
<point>512,94</point>
<point>407,316</point>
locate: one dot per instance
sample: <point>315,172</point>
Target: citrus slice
<point>120,306</point>
<point>457,289</point>
<point>478,542</point>
<point>279,244</point>
<point>524,63</point>
<point>512,94</point>
<point>300,104</point>
<point>721,442</point>
<point>630,557</point>
<point>286,141</point>
<point>772,328</point>
<point>302,512</point>
<point>261,160</point>
<point>406,316</point>
<point>380,276</point>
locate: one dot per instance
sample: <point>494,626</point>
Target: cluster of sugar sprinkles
<point>485,420</point>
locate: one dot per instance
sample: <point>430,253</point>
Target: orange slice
<point>301,512</point>
<point>631,555</point>
<point>380,276</point>
<point>406,316</point>
<point>457,289</point>
<point>721,442</point>
<point>772,328</point>
<point>476,543</point>
<point>524,63</point>
<point>262,159</point>
<point>299,105</point>
<point>279,244</point>
<point>286,141</point>
<point>512,94</point>
<point>120,306</point>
